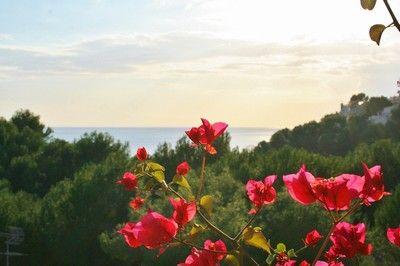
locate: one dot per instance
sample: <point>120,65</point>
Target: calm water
<point>151,137</point>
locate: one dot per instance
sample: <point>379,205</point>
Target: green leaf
<point>156,170</point>
<point>254,237</point>
<point>280,248</point>
<point>291,253</point>
<point>181,181</point>
<point>368,4</point>
<point>206,202</point>
<point>270,259</point>
<point>375,32</point>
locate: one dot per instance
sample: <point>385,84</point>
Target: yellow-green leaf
<point>368,4</point>
<point>181,180</point>
<point>254,237</point>
<point>375,32</point>
<point>196,229</point>
<point>232,260</point>
<point>280,248</point>
<point>156,170</point>
<point>206,202</point>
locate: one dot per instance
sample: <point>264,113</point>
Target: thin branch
<point>250,257</point>
<point>248,223</point>
<point>321,249</point>
<point>212,226</point>
<point>202,177</point>
<point>395,21</point>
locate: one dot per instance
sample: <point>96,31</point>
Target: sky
<point>250,63</point>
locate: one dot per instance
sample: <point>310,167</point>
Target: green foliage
<point>64,194</point>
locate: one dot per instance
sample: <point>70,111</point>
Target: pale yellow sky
<point>167,63</point>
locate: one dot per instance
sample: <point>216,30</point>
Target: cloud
<point>192,53</point>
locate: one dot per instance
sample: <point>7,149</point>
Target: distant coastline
<point>151,137</point>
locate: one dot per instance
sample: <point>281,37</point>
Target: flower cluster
<point>338,196</point>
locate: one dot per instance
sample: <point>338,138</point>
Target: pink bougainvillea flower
<point>337,193</point>
<point>312,238</point>
<point>199,258</point>
<point>204,257</point>
<point>331,263</point>
<point>261,192</point>
<point>129,181</point>
<point>218,245</point>
<point>349,240</point>
<point>206,134</point>
<point>184,211</point>
<point>282,259</point>
<point>299,186</point>
<point>182,169</point>
<point>141,154</point>
<point>373,189</point>
<point>136,203</point>
<point>393,235</point>
<point>304,263</point>
<point>129,237</point>
<point>154,230</point>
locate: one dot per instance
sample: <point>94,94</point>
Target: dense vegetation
<point>64,194</point>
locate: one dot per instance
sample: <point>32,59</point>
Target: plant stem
<point>395,21</point>
<point>248,223</point>
<point>321,249</point>
<point>250,257</point>
<point>301,249</point>
<point>350,211</point>
<point>202,177</point>
<point>212,226</point>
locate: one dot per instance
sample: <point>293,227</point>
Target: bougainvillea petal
<point>374,188</point>
<point>349,240</point>
<point>182,169</point>
<point>393,235</point>
<point>129,181</point>
<point>312,238</point>
<point>129,237</point>
<point>155,230</point>
<point>141,154</point>
<point>136,203</point>
<point>184,211</point>
<point>299,186</point>
<point>261,192</point>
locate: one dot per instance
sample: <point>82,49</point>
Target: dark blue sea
<point>151,137</point>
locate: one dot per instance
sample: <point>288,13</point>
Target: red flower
<point>182,169</point>
<point>349,240</point>
<point>141,154</point>
<point>299,186</point>
<point>331,263</point>
<point>304,263</point>
<point>218,245</point>
<point>373,189</point>
<point>204,257</point>
<point>393,234</point>
<point>312,238</point>
<point>260,192</point>
<point>337,193</point>
<point>154,230</point>
<point>206,134</point>
<point>129,180</point>
<point>127,232</point>
<point>282,259</point>
<point>136,203</point>
<point>334,193</point>
<point>184,211</point>
<point>199,258</point>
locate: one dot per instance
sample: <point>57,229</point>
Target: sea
<point>151,137</point>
